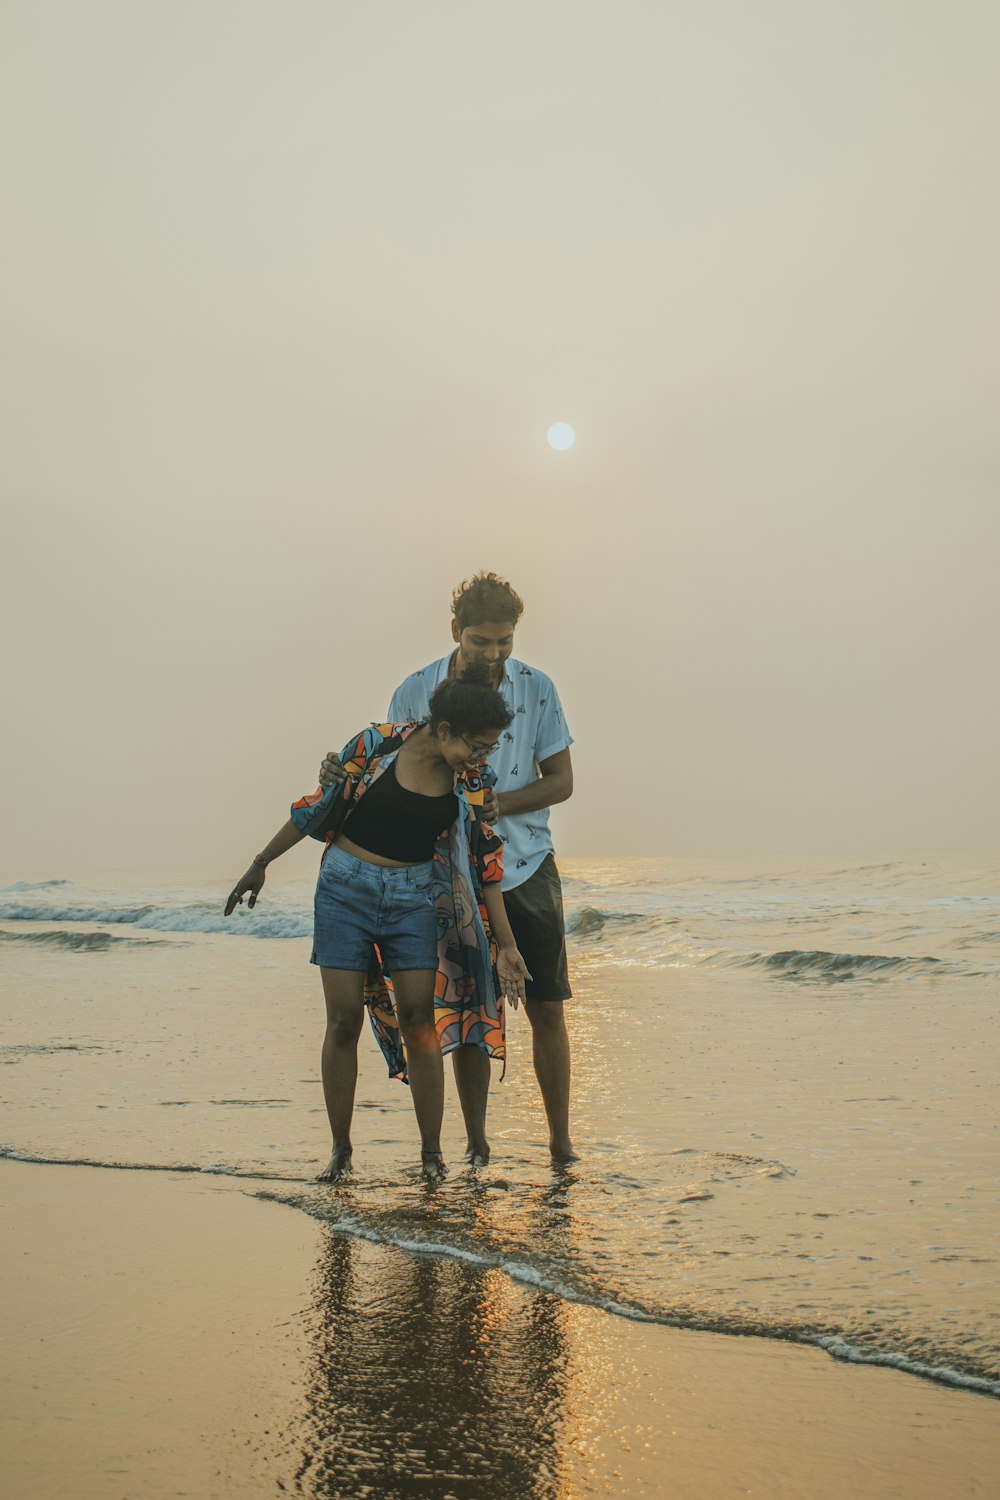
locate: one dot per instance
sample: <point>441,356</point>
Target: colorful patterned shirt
<point>468,1006</point>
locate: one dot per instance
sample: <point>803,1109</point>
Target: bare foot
<point>338,1167</point>
<point>477,1153</point>
<point>432,1165</point>
<point>563,1153</point>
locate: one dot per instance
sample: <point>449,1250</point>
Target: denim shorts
<point>359,904</point>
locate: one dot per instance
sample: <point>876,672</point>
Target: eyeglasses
<point>480,752</point>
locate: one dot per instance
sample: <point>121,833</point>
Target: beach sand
<point>800,1157</point>
<point>167,1335</point>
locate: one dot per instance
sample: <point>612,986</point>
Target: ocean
<point>785,1091</point>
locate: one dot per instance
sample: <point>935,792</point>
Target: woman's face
<point>465,752</point>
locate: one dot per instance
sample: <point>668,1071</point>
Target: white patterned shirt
<point>537,730</point>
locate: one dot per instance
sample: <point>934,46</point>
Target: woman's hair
<point>469,704</point>
<point>484,597</point>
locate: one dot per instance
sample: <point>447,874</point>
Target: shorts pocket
<point>337,869</point>
<point>421,880</point>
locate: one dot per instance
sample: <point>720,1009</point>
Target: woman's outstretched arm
<point>286,838</point>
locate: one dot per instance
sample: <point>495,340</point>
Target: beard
<point>464,659</point>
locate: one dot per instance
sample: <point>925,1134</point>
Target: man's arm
<point>555,784</point>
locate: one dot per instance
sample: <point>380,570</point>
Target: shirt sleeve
<point>489,857</point>
<point>401,709</point>
<point>320,812</point>
<point>553,732</point>
<point>487,846</point>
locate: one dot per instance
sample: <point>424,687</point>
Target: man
<point>534,772</point>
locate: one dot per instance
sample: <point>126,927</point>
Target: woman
<point>409,886</point>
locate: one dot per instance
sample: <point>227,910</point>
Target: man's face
<point>491,642</point>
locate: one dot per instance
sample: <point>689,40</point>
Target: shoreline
<point>170,1333</point>
<point>836,1346</point>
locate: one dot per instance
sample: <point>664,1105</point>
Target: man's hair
<point>486,596</point>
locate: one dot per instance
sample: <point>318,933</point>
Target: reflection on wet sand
<point>173,1346</point>
<point>426,1371</point>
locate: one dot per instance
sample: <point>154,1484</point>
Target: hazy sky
<point>292,293</point>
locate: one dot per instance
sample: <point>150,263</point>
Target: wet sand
<point>170,1335</point>
<point>793,1159</point>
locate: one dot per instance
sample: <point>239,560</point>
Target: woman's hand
<point>512,971</point>
<point>252,881</point>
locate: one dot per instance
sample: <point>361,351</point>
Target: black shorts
<point>535,913</point>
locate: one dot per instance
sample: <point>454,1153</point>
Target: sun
<point>560,436</point>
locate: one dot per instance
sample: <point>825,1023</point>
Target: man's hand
<point>331,772</point>
<point>491,807</point>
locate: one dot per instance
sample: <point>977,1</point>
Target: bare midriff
<point>350,847</point>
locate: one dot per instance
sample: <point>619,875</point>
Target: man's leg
<point>472,1079</point>
<point>535,911</point>
<point>550,1053</point>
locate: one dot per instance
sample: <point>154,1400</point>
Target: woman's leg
<point>414,991</point>
<point>472,1078</point>
<point>343,990</point>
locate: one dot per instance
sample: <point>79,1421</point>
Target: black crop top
<point>397,823</point>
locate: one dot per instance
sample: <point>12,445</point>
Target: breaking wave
<point>195,916</point>
<point>650,939</point>
<point>797,963</point>
<point>34,885</point>
<point>590,919</point>
<point>73,942</point>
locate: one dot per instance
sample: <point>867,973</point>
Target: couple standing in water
<point>438,895</point>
